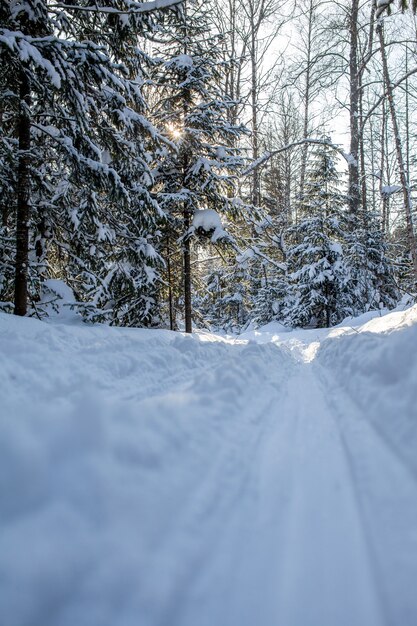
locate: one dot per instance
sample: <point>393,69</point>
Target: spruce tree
<point>75,154</point>
<point>317,272</point>
<point>372,281</point>
<point>195,177</point>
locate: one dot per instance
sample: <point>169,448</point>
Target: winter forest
<point>208,316</point>
<point>215,163</point>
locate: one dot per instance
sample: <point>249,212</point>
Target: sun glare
<point>174,131</point>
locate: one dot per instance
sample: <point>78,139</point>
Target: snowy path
<point>151,479</point>
<point>302,537</point>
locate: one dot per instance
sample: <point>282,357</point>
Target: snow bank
<point>376,364</point>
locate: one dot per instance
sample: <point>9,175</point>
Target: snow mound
<point>376,364</point>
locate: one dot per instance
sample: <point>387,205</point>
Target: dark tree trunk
<point>23,199</point>
<point>170,291</point>
<point>385,197</point>
<point>187,215</point>
<point>187,278</point>
<point>364,195</point>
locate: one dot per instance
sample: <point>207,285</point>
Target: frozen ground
<point>153,479</point>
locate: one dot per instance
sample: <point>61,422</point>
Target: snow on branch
<point>245,256</point>
<point>318,142</point>
<point>382,6</point>
<point>208,221</point>
<point>132,8</point>
<point>388,190</point>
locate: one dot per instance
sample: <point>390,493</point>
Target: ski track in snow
<point>154,479</point>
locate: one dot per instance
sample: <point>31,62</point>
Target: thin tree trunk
<point>364,197</point>
<point>4,204</point>
<point>256,199</point>
<point>170,295</point>
<point>374,169</point>
<point>381,177</point>
<point>408,207</point>
<point>187,277</point>
<point>187,215</point>
<point>304,149</point>
<point>23,198</point>
<point>407,117</point>
<point>354,189</point>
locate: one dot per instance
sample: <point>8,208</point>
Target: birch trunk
<point>354,189</point>
<point>408,207</point>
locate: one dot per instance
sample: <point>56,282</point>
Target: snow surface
<point>149,478</point>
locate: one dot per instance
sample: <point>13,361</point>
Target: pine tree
<point>372,282</point>
<point>195,178</point>
<point>318,275</point>
<point>75,154</point>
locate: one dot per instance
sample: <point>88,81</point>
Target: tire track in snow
<point>325,541</point>
<point>288,525</point>
<point>387,495</point>
<point>390,446</point>
<point>236,487</point>
<point>215,497</point>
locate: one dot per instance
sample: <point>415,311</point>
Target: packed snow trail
<point>153,479</point>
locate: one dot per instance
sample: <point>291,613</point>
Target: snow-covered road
<point>153,479</point>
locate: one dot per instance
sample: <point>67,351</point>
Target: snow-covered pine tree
<point>75,153</point>
<point>195,179</point>
<point>223,301</point>
<point>317,272</point>
<point>372,280</point>
<point>269,291</point>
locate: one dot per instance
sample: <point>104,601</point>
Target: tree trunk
<point>187,277</point>
<point>187,215</point>
<point>23,198</point>
<point>306,99</point>
<point>256,192</point>
<point>385,197</point>
<point>354,189</point>
<point>364,195</point>
<point>170,294</point>
<point>408,207</point>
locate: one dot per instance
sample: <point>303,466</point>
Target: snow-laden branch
<point>318,142</point>
<point>381,7</point>
<point>390,190</point>
<point>253,251</point>
<point>133,8</point>
<point>67,145</point>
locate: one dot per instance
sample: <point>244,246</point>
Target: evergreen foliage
<point>120,171</point>
<point>195,179</point>
<point>90,147</point>
<point>371,273</point>
<point>317,272</point>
